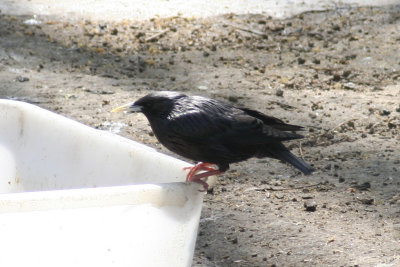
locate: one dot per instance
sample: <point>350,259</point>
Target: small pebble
<point>349,85</point>
<point>328,167</point>
<point>279,92</point>
<point>316,61</point>
<point>336,77</point>
<point>301,61</point>
<point>366,201</point>
<point>364,186</point>
<point>233,99</point>
<point>310,206</point>
<point>202,87</point>
<point>22,79</point>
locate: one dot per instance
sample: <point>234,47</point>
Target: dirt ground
<point>335,72</point>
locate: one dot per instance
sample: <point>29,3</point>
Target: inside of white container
<point>40,150</point>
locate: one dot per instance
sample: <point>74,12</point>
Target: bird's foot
<point>196,168</point>
<point>194,176</point>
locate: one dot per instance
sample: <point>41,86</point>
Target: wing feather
<point>204,119</point>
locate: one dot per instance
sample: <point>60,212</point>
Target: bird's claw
<point>197,178</point>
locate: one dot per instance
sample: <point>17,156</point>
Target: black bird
<point>213,132</point>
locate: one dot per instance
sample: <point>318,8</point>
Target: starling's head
<point>157,103</point>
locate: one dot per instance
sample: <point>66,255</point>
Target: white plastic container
<point>71,195</point>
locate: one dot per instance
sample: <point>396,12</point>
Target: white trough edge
<point>168,194</point>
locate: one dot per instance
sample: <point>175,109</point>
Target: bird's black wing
<point>199,118</point>
<point>202,119</point>
<point>272,121</point>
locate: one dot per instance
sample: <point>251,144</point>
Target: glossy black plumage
<point>212,131</point>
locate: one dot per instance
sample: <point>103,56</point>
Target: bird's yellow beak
<point>125,107</point>
<point>129,108</point>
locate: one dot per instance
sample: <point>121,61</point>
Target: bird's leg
<point>209,171</point>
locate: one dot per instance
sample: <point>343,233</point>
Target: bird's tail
<point>287,156</point>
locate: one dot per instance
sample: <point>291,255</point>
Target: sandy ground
<point>112,10</point>
<point>335,72</point>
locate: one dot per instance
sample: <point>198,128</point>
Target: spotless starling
<point>215,133</point>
